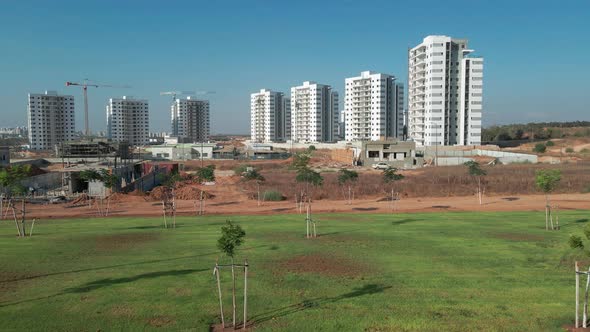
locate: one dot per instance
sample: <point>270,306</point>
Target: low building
<point>190,151</point>
<point>4,156</point>
<point>395,153</point>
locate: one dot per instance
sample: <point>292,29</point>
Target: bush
<point>241,169</point>
<point>206,173</point>
<point>569,150</point>
<point>549,143</point>
<point>584,151</point>
<point>575,242</point>
<point>272,195</point>
<point>311,148</point>
<point>540,148</point>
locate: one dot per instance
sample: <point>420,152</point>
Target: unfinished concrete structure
<point>395,153</point>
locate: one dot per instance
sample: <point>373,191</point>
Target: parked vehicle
<point>381,166</point>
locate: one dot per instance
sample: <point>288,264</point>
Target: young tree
<point>206,173</point>
<point>477,173</point>
<point>347,177</point>
<point>231,238</point>
<point>390,176</point>
<point>547,180</point>
<point>11,177</point>
<point>309,177</point>
<point>301,160</point>
<point>253,175</point>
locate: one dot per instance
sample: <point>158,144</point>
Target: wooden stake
<point>546,218</point>
<point>32,226</point>
<point>577,294</point>
<point>164,210</point>
<point>233,295</point>
<point>585,313</point>
<point>15,219</point>
<point>173,213</point>
<point>245,293</point>
<point>23,217</point>
<point>219,290</point>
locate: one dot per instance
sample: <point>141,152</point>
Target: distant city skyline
<point>535,65</point>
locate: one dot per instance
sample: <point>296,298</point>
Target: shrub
<point>575,242</point>
<point>206,173</point>
<point>311,148</point>
<point>549,143</point>
<point>569,150</point>
<point>241,169</point>
<point>584,150</point>
<point>272,195</point>
<point>540,148</point>
<point>586,190</point>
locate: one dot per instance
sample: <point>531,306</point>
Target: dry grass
<point>436,182</point>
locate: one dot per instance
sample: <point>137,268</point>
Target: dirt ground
<point>231,196</point>
<point>228,202</point>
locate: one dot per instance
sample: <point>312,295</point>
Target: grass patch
<point>272,195</point>
<point>444,271</point>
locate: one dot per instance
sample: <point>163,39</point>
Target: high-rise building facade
<point>444,93</point>
<point>270,116</point>
<point>190,119</point>
<point>374,107</point>
<point>314,113</point>
<point>128,120</point>
<point>51,120</point>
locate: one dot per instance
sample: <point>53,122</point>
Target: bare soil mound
<point>324,265</point>
<point>123,241</point>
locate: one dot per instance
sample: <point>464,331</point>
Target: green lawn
<point>402,272</point>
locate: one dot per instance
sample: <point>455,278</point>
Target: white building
<point>190,119</point>
<point>314,113</point>
<point>188,151</point>
<point>374,107</point>
<point>128,120</point>
<point>51,120</point>
<point>445,93</point>
<point>270,116</point>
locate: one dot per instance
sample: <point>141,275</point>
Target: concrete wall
<point>502,156</point>
<point>44,182</point>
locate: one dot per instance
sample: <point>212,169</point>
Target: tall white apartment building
<point>270,116</point>
<point>445,93</point>
<point>190,119</point>
<point>128,120</point>
<point>374,107</point>
<point>51,119</point>
<point>314,113</point>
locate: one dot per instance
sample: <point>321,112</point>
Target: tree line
<point>538,130</point>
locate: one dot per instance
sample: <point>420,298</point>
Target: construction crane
<point>85,84</point>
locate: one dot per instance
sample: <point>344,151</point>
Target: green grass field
<point>401,272</point>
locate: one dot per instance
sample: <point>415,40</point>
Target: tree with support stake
<point>577,243</point>
<point>477,173</point>
<point>309,177</point>
<point>390,176</point>
<point>348,178</point>
<point>253,175</point>
<point>231,238</point>
<point>547,180</point>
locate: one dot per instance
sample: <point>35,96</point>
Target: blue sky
<point>537,53</point>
